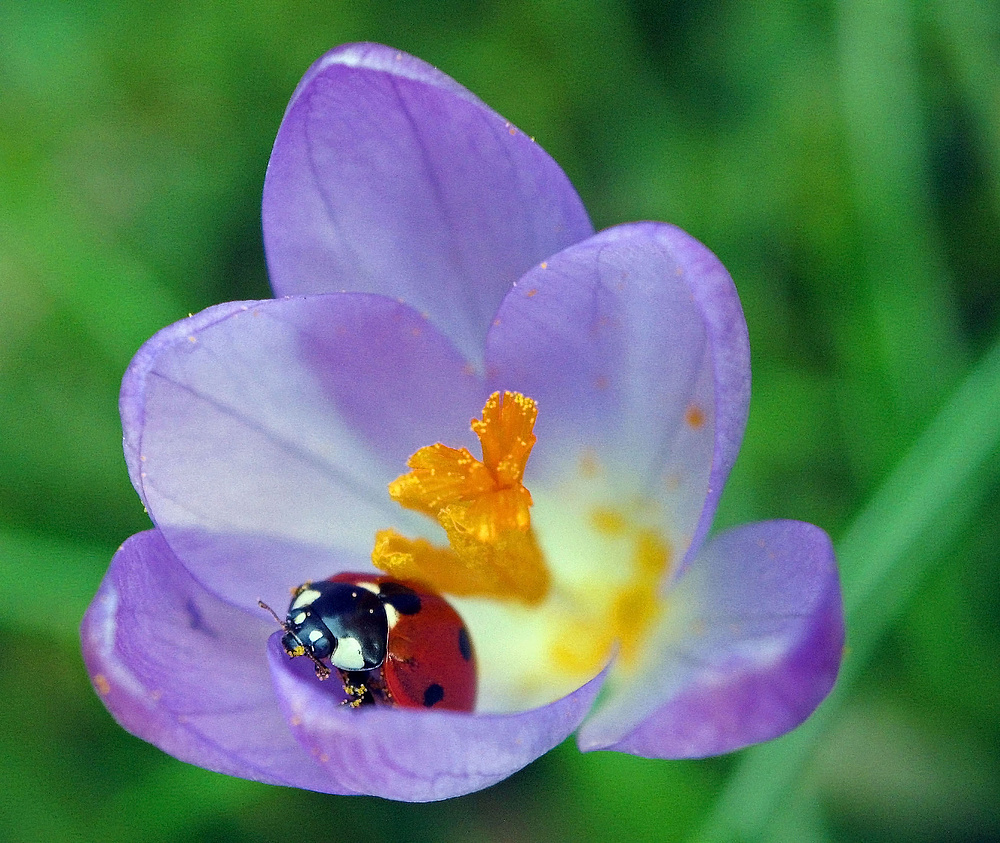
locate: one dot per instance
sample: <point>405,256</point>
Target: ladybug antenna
<point>274,614</point>
<point>322,671</point>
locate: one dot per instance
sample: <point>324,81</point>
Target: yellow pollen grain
<point>102,684</point>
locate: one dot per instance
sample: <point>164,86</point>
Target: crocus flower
<point>432,265</point>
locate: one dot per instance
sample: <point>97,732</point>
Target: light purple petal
<point>633,343</point>
<point>262,435</point>
<point>412,754</point>
<point>389,177</point>
<point>378,57</point>
<point>186,672</point>
<point>752,644</point>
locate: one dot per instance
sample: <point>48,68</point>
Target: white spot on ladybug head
<point>314,636</point>
<point>370,586</point>
<point>347,654</point>
<point>304,599</point>
<point>300,618</point>
<point>391,614</point>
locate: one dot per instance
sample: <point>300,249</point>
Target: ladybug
<point>391,642</point>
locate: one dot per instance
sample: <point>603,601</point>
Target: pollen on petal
<point>618,617</point>
<point>608,521</point>
<point>635,608</point>
<point>694,416</point>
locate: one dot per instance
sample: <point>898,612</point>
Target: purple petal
<point>417,755</point>
<point>186,672</point>
<point>262,435</point>
<point>389,177</point>
<point>373,56</point>
<point>752,644</point>
<point>634,345</point>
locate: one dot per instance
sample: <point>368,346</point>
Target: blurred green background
<point>843,159</point>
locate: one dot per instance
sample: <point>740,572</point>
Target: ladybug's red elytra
<point>391,642</point>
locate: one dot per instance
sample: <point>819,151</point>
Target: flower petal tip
<point>756,654</point>
<point>413,755</point>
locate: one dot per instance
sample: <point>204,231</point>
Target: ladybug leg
<point>364,687</point>
<point>358,692</point>
<point>322,671</point>
<point>356,695</point>
<point>378,689</point>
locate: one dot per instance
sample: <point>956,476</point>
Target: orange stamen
<point>482,506</point>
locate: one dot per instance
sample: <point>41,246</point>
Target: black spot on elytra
<point>433,695</point>
<point>465,644</point>
<point>403,599</point>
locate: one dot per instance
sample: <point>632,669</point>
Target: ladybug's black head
<point>308,637</point>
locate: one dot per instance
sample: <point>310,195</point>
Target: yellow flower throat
<point>484,509</point>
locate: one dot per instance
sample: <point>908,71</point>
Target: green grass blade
<point>930,496</point>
